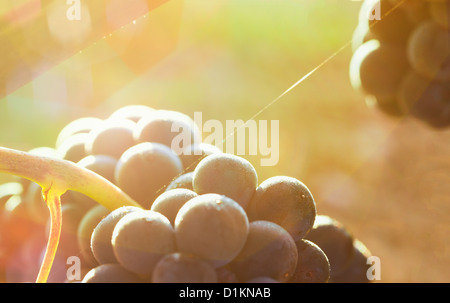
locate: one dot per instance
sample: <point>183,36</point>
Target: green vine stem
<point>56,177</point>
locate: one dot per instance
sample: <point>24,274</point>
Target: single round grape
<point>334,240</point>
<point>73,148</point>
<point>378,68</point>
<point>228,175</point>
<point>102,235</point>
<point>285,201</point>
<point>140,239</point>
<point>262,280</point>
<point>80,125</point>
<point>111,138</point>
<point>425,99</point>
<point>110,273</point>
<point>145,169</point>
<point>356,272</point>
<point>429,49</point>
<point>171,128</point>
<point>415,10</point>
<point>213,227</point>
<point>170,202</point>
<point>183,268</point>
<point>132,112</point>
<point>85,229</point>
<point>386,23</point>
<point>192,154</point>
<point>312,265</point>
<point>268,252</point>
<point>183,181</point>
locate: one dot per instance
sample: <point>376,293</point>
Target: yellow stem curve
<point>54,206</point>
<point>61,175</point>
<point>56,177</point>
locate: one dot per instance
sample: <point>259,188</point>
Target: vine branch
<point>56,177</point>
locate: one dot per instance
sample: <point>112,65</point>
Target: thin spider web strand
<point>302,79</point>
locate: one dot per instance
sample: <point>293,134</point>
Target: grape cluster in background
<point>401,59</point>
<point>205,216</point>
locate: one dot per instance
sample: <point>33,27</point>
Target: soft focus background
<point>387,180</point>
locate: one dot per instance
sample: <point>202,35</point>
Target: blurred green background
<point>386,179</point>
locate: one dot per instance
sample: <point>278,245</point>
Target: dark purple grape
<point>183,268</point>
<point>312,265</point>
<point>213,227</point>
<point>102,235</point>
<point>80,125</point>
<point>170,202</point>
<point>416,10</point>
<point>356,272</point>
<point>228,175</point>
<point>377,68</point>
<point>426,99</point>
<point>144,170</point>
<point>334,240</point>
<point>140,239</point>
<point>269,251</point>
<point>85,229</point>
<point>192,154</point>
<point>171,128</point>
<point>73,148</point>
<point>393,25</point>
<point>285,201</point>
<point>111,273</point>
<point>429,51</point>
<point>111,137</point>
<point>183,181</point>
<point>132,112</point>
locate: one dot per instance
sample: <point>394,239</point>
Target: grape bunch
<point>401,58</point>
<point>203,215</point>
